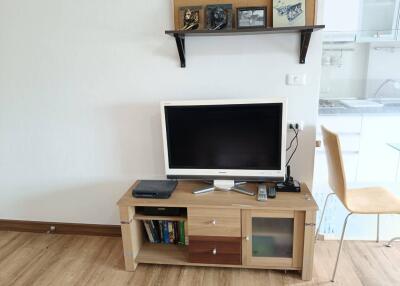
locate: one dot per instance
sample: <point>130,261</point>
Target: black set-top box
<point>155,189</point>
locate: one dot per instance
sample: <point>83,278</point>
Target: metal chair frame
<point>343,232</point>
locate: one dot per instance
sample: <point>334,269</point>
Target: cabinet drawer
<point>215,250</point>
<point>215,222</point>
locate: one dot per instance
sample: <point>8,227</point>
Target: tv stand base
<point>225,185</point>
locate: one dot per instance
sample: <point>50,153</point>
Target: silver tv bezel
<point>256,175</point>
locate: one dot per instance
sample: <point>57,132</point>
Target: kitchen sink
<point>360,103</point>
<point>388,101</point>
<point>371,102</point>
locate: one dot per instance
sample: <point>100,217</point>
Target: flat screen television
<point>225,139</point>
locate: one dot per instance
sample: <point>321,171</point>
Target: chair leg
<point>389,244</point>
<point>340,247</point>
<point>322,215</point>
<point>377,228</point>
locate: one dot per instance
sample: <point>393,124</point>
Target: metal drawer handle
<point>214,222</point>
<point>247,238</point>
<point>214,251</point>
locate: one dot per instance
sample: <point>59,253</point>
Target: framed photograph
<point>189,17</point>
<point>219,17</point>
<point>251,17</point>
<point>288,13</point>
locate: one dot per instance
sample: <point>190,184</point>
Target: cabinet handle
<point>214,251</point>
<point>247,238</point>
<point>214,222</point>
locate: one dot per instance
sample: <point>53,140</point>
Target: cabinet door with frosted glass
<point>273,238</point>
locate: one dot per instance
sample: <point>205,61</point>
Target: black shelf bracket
<point>180,44</point>
<point>304,42</point>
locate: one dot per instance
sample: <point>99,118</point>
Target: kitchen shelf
<point>304,31</point>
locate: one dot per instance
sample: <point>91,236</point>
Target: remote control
<point>262,192</point>
<point>271,192</point>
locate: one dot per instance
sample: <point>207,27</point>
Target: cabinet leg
<point>132,237</point>
<point>308,252</point>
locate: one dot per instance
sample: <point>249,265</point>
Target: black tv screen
<point>236,136</point>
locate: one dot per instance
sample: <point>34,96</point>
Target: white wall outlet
<point>296,79</point>
<point>52,229</point>
<point>298,125</point>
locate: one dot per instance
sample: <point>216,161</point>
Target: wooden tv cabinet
<point>226,229</point>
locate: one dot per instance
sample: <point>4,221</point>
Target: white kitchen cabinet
<point>379,20</point>
<point>364,142</point>
<point>368,160</point>
<point>349,12</point>
<point>341,28</point>
<point>361,20</point>
<point>349,130</point>
<point>378,161</point>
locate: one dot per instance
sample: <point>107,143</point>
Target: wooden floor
<point>48,259</point>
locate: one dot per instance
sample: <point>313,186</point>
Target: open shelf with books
<point>165,231</point>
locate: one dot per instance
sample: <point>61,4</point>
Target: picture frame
<point>190,17</point>
<point>288,13</point>
<point>251,17</point>
<point>218,17</point>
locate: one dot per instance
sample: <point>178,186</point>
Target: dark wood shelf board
<point>241,32</point>
<point>304,31</point>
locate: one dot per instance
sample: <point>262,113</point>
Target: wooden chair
<point>372,200</point>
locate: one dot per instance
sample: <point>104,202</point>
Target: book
<point>160,230</point>
<point>182,232</point>
<point>155,223</point>
<point>176,232</point>
<point>171,232</point>
<point>149,234</point>
<point>154,232</point>
<point>165,232</point>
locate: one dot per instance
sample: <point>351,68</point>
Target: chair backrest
<point>337,176</point>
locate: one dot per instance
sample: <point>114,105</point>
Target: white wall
<point>384,59</point>
<point>80,85</point>
<point>342,15</point>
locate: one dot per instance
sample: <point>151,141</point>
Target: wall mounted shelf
<point>304,31</point>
